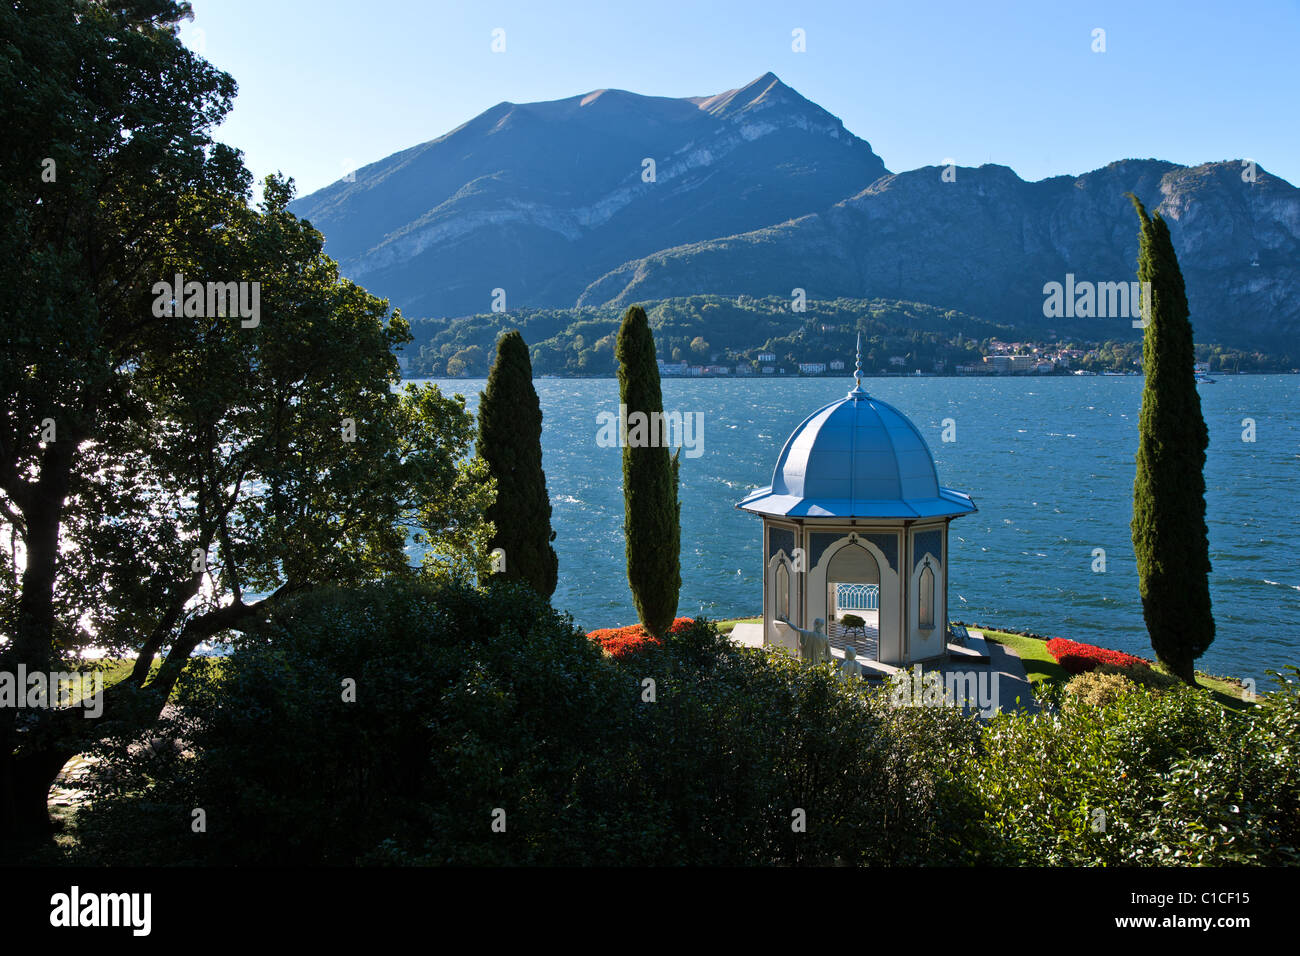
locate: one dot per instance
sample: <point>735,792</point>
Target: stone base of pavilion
<point>975,656</point>
<point>865,642</point>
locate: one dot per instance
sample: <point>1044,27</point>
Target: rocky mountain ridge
<point>612,197</point>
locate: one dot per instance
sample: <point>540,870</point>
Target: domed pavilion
<point>856,523</point>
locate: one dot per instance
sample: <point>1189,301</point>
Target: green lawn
<point>1040,665</point>
<point>119,669</point>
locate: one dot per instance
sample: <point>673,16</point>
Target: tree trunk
<point>27,775</point>
<point>25,781</point>
<point>34,775</point>
<point>43,513</point>
<point>24,822</point>
<point>30,765</point>
<point>1184,669</point>
<point>8,813</point>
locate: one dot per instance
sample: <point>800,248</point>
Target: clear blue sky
<point>328,85</point>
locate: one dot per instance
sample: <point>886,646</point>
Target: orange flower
<point>1077,658</point>
<point>623,642</point>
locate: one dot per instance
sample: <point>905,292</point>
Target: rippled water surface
<point>1049,462</point>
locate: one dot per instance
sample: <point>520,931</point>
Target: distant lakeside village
<point>711,336</point>
<point>1003,358</point>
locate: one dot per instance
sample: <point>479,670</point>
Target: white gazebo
<point>855,522</point>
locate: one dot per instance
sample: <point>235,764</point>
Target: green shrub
<point>1098,687</point>
<point>472,700</point>
<point>691,752</point>
<point>1141,674</point>
<point>1167,778</point>
<point>465,701</point>
<point>739,741</point>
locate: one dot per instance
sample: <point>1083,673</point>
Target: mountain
<point>987,242</point>
<point>758,191</point>
<point>541,198</point>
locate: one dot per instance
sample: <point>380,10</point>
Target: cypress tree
<point>1170,539</point>
<point>510,441</point>
<point>652,513</point>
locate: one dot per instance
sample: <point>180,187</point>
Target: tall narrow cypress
<point>652,513</point>
<point>1170,538</point>
<point>510,441</point>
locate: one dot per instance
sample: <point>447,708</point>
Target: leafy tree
<point>652,511</point>
<point>510,441</point>
<point>1170,539</point>
<point>167,479</point>
<point>467,361</point>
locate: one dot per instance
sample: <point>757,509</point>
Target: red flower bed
<point>1077,658</point>
<point>623,642</point>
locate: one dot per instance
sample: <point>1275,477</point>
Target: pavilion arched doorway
<point>853,588</point>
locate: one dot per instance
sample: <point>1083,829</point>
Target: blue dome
<point>856,458</point>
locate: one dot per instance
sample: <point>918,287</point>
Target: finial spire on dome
<point>858,391</point>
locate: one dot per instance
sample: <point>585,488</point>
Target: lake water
<point>1049,462</point>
